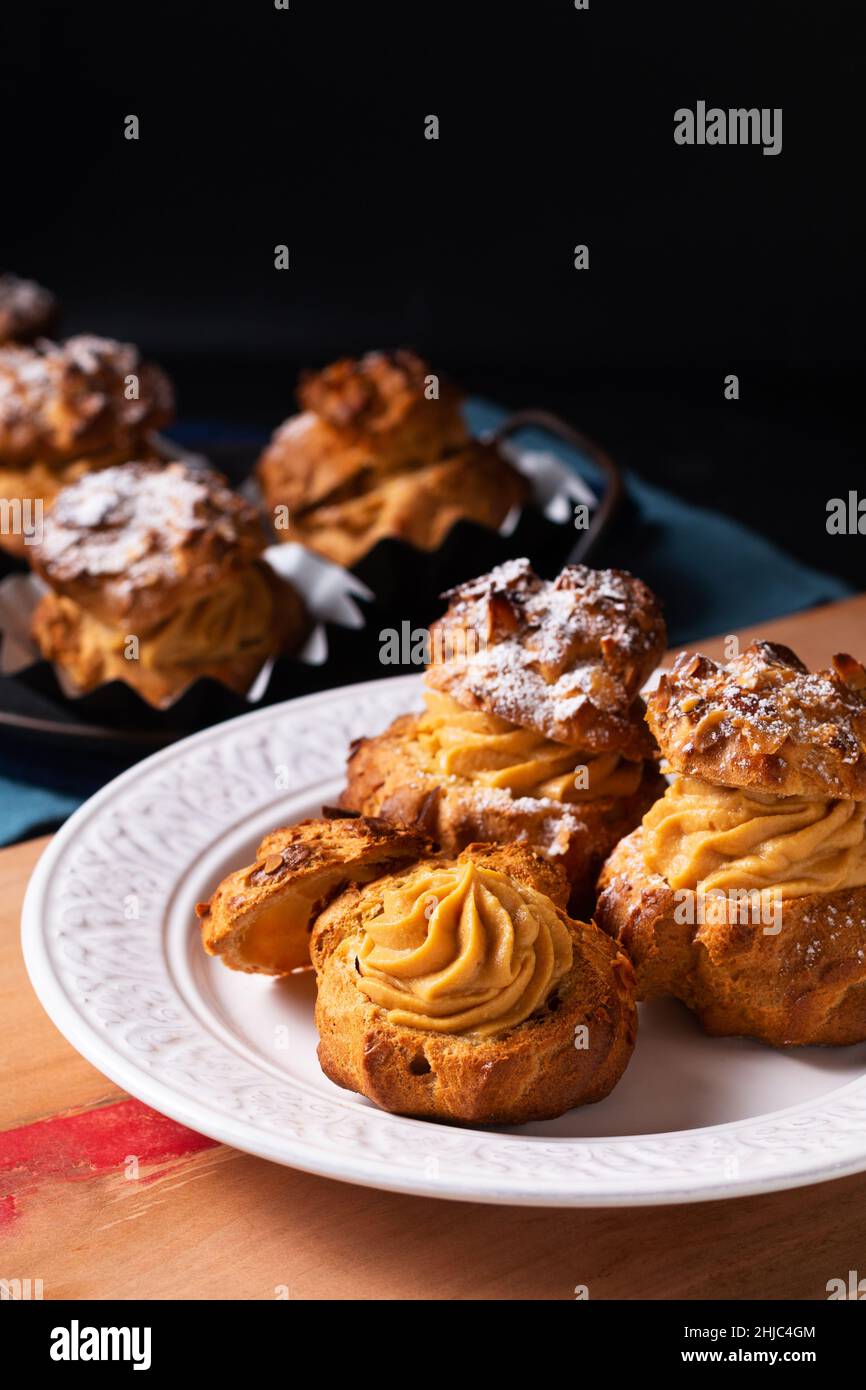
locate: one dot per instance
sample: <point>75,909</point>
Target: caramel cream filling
<point>707,837</point>
<point>462,950</point>
<point>277,940</point>
<point>234,618</point>
<point>490,751</point>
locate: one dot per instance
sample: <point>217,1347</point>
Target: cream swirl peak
<point>461,949</point>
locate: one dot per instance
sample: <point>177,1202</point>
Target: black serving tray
<point>406,584</point>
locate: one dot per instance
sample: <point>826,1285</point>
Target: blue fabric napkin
<point>713,575</point>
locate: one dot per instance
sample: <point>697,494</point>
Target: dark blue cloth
<point>713,575</point>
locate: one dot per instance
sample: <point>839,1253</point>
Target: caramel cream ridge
<point>705,837</point>
<point>492,752</point>
<point>462,950</point>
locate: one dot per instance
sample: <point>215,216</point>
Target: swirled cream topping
<point>462,949</point>
<point>488,750</point>
<point>707,837</point>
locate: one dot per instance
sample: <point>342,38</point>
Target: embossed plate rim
<point>815,1140</point>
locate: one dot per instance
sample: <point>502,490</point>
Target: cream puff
<point>381,450</point>
<point>743,892</point>
<point>155,577</point>
<point>533,726</point>
<point>68,409</point>
<point>448,988</point>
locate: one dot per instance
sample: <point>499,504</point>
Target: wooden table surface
<point>204,1221</point>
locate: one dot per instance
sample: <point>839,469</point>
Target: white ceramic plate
<point>112,949</point>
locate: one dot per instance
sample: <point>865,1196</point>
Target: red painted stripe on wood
<point>95,1141</point>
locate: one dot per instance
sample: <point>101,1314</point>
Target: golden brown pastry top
<point>27,310</point>
<point>566,658</point>
<point>61,401</point>
<point>371,395</point>
<point>259,917</point>
<point>130,543</point>
<point>361,420</point>
<point>764,721</point>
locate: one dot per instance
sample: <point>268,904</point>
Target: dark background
<point>306,127</point>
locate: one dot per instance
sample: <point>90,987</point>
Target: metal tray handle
<point>614,491</point>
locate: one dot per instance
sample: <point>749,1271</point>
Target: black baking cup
<point>115,716</point>
<point>408,583</point>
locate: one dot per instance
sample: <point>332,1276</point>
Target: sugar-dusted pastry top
<point>566,658</point>
<point>60,401</point>
<point>27,310</point>
<point>765,721</point>
<point>134,540</point>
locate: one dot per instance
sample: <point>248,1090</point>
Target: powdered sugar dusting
<point>547,652</point>
<point>132,521</point>
<point>806,729</point>
<point>88,392</point>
